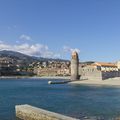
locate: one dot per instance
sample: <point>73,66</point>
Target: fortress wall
<point>27,112</point>
<point>110,74</point>
<point>90,73</point>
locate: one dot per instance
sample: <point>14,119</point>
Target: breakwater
<point>27,112</point>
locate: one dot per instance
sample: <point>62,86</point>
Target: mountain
<point>22,58</point>
<point>12,54</point>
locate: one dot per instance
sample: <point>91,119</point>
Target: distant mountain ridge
<point>17,56</point>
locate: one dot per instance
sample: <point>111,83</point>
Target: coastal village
<point>9,67</point>
<point>86,70</point>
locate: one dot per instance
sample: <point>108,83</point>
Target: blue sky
<point>53,28</point>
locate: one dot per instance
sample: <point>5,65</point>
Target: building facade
<point>93,70</point>
<point>53,68</point>
<point>99,70</point>
<point>7,67</point>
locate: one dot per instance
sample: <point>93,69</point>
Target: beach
<point>108,82</point>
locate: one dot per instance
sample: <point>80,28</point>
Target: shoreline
<point>108,82</point>
<point>53,77</point>
<point>35,77</point>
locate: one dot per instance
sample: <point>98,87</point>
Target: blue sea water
<point>77,101</point>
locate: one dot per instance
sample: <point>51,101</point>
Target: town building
<point>93,70</point>
<point>99,70</point>
<point>53,68</point>
<point>7,67</point>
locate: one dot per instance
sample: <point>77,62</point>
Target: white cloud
<point>25,37</point>
<point>69,49</point>
<point>38,50</point>
<point>5,46</point>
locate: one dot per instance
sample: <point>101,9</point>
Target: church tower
<point>74,66</point>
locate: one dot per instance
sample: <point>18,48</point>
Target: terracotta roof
<point>104,64</point>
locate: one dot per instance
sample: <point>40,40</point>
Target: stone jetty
<point>27,112</point>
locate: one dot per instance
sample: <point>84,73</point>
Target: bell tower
<point>74,66</point>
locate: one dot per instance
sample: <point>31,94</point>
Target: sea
<point>78,101</point>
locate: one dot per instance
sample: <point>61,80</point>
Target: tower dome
<point>74,55</point>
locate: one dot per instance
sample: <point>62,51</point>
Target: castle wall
<point>93,73</point>
<point>90,73</point>
<point>110,74</point>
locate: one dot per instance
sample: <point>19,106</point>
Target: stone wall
<point>90,73</point>
<point>110,74</point>
<point>74,69</point>
<point>27,112</point>
<point>46,72</point>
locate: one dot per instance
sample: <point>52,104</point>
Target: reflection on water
<point>102,103</point>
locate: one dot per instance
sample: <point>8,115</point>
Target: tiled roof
<point>104,64</point>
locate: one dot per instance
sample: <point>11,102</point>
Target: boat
<point>58,82</point>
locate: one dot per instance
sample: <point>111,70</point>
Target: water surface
<point>77,101</point>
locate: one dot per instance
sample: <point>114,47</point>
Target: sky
<point>55,28</point>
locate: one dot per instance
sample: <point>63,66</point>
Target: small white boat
<point>58,82</point>
<point>49,82</point>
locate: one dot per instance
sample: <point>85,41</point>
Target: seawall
<point>27,112</point>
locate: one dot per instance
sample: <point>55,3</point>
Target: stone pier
<point>27,112</point>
